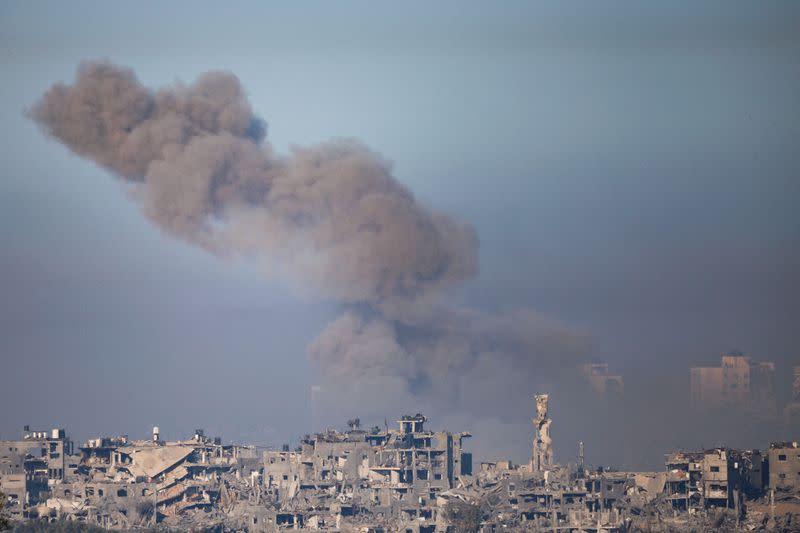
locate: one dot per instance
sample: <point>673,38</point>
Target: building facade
<point>738,383</point>
<point>784,466</point>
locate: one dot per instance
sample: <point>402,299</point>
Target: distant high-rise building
<point>601,380</point>
<point>739,382</point>
<point>791,412</point>
<point>796,385</point>
<point>762,385</point>
<point>706,387</point>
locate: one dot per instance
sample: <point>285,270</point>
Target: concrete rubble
<point>409,479</point>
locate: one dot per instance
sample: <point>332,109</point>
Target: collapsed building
<point>408,479</point>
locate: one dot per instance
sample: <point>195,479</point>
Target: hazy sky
<point>631,170</point>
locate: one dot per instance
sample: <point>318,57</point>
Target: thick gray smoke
<point>330,216</point>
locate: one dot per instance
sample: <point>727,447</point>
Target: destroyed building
<point>381,475</point>
<point>29,466</point>
<point>390,473</point>
<point>542,449</point>
<point>713,478</point>
<point>408,478</point>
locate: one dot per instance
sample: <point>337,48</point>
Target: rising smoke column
<point>331,216</point>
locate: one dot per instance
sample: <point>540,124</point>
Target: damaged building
<point>712,478</point>
<point>408,478</point>
<point>372,475</point>
<point>31,465</point>
<point>378,476</point>
<point>784,466</point>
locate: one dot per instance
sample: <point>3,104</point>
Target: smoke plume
<point>331,216</point>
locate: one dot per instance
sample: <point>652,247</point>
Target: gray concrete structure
<point>784,466</point>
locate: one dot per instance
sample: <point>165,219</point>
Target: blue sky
<point>631,169</point>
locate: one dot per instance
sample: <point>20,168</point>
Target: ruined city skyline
<point>616,185</point>
<point>409,478</point>
<point>713,402</point>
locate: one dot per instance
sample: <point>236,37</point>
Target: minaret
<point>542,454</point>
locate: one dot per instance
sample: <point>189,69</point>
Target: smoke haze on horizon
<point>630,174</point>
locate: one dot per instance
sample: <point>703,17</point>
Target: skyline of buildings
<point>408,479</point>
